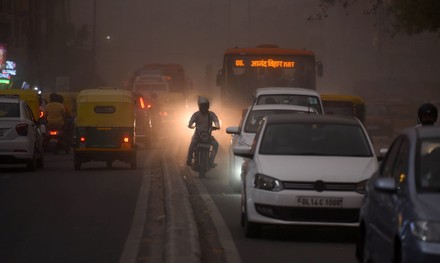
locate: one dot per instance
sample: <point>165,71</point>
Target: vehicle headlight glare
<point>426,231</point>
<point>265,182</point>
<point>360,187</point>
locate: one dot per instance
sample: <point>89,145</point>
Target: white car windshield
<point>254,119</point>
<point>291,99</point>
<point>315,139</point>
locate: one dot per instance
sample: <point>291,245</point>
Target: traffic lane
<point>299,244</point>
<point>57,214</point>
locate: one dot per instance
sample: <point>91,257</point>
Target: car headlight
<point>265,182</point>
<point>360,187</point>
<point>426,231</point>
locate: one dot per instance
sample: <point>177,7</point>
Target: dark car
<point>400,215</point>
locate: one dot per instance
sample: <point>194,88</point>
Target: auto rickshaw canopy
<point>343,104</point>
<point>105,108</point>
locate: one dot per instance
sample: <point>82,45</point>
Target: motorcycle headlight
<point>360,187</point>
<point>426,231</point>
<point>265,182</point>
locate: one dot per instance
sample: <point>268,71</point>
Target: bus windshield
<point>245,73</point>
<point>280,71</point>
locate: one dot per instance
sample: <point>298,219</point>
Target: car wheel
<point>251,230</point>
<point>362,248</point>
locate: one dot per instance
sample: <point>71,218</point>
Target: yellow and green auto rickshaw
<point>104,127</point>
<point>345,105</point>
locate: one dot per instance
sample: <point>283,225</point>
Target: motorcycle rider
<point>427,115</point>
<point>58,118</point>
<point>203,120</point>
<point>55,112</point>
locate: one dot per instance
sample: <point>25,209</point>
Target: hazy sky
<point>195,33</point>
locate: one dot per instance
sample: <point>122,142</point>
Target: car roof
<point>282,107</point>
<point>301,118</point>
<point>284,91</point>
<point>423,132</point>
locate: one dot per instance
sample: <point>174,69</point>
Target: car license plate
<point>319,202</point>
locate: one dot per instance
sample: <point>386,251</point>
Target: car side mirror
<point>233,130</point>
<point>382,154</point>
<point>386,185</point>
<point>243,151</point>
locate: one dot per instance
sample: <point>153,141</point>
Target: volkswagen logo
<point>319,186</point>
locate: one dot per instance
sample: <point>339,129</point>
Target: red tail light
<point>82,139</point>
<point>22,129</point>
<point>53,133</point>
<point>126,142</point>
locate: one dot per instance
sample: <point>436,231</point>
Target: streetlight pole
<point>249,23</point>
<point>94,71</point>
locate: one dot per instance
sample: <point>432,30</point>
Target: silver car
<point>20,136</point>
<point>400,215</point>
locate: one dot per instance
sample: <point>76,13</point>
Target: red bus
<point>246,69</point>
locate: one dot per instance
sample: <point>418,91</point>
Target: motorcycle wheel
<point>203,164</point>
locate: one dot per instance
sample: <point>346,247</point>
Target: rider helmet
<point>203,104</point>
<point>427,114</point>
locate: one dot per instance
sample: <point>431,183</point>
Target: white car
<point>306,170</point>
<point>20,136</point>
<point>244,134</point>
<point>288,95</point>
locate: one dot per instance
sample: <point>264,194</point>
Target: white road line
<point>133,241</point>
<point>225,237</point>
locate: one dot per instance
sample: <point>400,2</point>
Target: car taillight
<point>22,129</point>
<point>53,133</point>
<point>82,139</point>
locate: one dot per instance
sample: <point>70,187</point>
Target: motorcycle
<point>202,152</point>
<point>55,140</point>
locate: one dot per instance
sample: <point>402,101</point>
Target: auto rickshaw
<point>345,105</point>
<point>104,127</point>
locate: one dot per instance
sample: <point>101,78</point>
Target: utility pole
<point>95,72</point>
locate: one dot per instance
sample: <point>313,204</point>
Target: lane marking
<point>134,238</point>
<point>225,237</point>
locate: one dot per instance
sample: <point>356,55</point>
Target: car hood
<point>428,206</point>
<point>312,168</point>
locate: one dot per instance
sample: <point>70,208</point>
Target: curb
<point>182,238</point>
